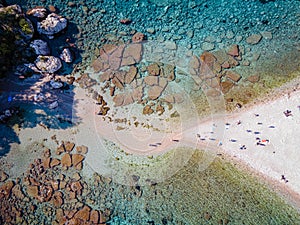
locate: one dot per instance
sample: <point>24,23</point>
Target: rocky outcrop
<point>14,37</point>
<point>52,25</point>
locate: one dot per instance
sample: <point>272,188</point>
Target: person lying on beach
<point>287,113</point>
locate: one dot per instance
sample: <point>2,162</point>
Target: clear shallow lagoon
<point>221,194</point>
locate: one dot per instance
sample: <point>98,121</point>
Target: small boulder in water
<point>40,47</point>
<point>67,55</point>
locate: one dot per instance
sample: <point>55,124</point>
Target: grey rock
<point>53,24</point>
<point>53,105</point>
<point>206,46</point>
<point>48,64</point>
<point>56,84</point>
<point>40,47</point>
<point>39,12</point>
<point>66,55</point>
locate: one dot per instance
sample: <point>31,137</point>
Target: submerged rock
<point>53,24</point>
<point>40,47</point>
<point>254,39</point>
<point>48,64</point>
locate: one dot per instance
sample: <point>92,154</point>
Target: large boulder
<point>52,25</point>
<point>48,64</point>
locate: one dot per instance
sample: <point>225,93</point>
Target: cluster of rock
<point>15,33</point>
<point>215,70</point>
<point>120,70</point>
<point>126,82</point>
<point>21,30</point>
<point>46,183</point>
<point>7,114</point>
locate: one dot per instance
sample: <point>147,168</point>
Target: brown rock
<point>253,78</point>
<point>221,56</point>
<point>162,82</point>
<point>17,191</point>
<point>234,76</point>
<point>169,72</point>
<point>78,166</point>
<point>121,76</point>
<point>94,216</point>
<point>103,110</point>
<point>195,62</point>
<point>100,65</point>
<point>233,50</point>
<point>147,110</point>
<point>66,160</point>
<point>77,158</point>
<point>46,163</point>
<point>45,193</point>
<point>76,176</point>
<point>119,99</point>
<point>169,99</point>
<point>62,184</point>
<point>76,187</point>
<point>3,176</point>
<point>83,214</point>
<point>214,82</point>
<point>226,86</point>
<point>153,69</point>
<point>52,8</point>
<point>55,184</point>
<point>128,99</point>
<point>138,37</point>
<point>54,162</point>
<point>154,92</point>
<point>137,94</point>
<point>69,146</point>
<point>32,191</point>
<point>212,92</point>
<point>151,80</point>
<point>208,59</point>
<point>160,109</point>
<point>60,149</point>
<point>134,51</point>
<point>130,75</point>
<point>127,61</point>
<point>232,61</point>
<point>57,199</point>
<point>117,83</point>
<point>106,76</point>
<point>253,39</point>
<point>102,219</point>
<point>59,214</point>
<point>82,149</point>
<point>47,153</point>
<point>226,65</point>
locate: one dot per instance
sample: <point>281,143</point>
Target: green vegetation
<point>25,26</point>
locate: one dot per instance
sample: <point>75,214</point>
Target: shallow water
<point>220,194</point>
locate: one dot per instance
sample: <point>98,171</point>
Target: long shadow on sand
<point>34,109</point>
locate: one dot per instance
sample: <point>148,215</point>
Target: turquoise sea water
<point>221,194</point>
